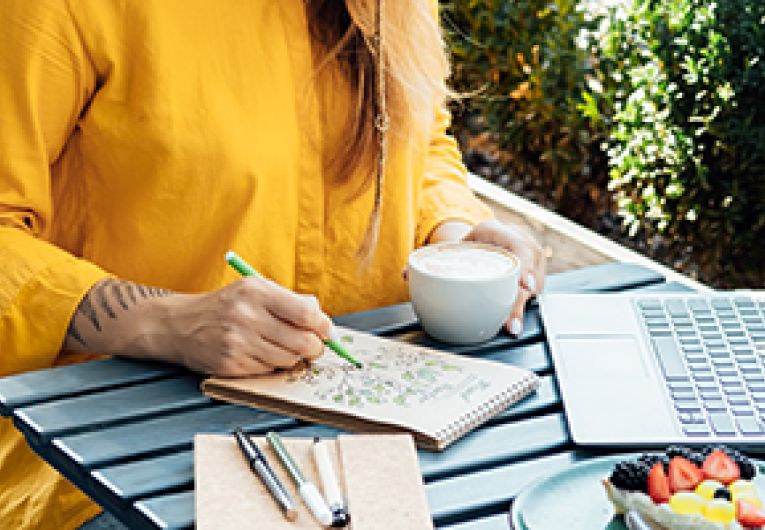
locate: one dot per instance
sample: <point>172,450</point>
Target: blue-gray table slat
<point>532,331</point>
<point>488,492</point>
<point>498,445</point>
<point>96,411</point>
<point>380,321</point>
<point>172,512</point>
<point>34,387</point>
<point>534,357</point>
<point>148,477</point>
<point>495,522</point>
<point>607,277</point>
<point>151,476</point>
<point>168,433</point>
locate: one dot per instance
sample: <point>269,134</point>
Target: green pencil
<point>245,269</point>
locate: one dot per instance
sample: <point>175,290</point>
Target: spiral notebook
<point>437,397</point>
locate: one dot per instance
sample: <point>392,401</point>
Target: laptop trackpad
<point>598,356</point>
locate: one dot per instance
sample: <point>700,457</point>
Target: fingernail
<point>531,282</point>
<point>516,327</point>
<point>333,334</point>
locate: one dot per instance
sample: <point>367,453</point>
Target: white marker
<point>329,484</point>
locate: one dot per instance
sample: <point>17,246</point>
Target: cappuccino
<point>464,262</point>
<point>462,292</point>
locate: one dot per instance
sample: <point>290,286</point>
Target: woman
<point>141,139</point>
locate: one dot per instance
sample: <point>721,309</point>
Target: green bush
<point>527,75</point>
<point>687,133</point>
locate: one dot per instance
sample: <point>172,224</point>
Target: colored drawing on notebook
<point>393,374</point>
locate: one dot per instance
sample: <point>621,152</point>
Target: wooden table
<point>122,431</point>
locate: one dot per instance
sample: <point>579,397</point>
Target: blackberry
<point>722,493</point>
<point>707,449</point>
<point>631,476</point>
<point>697,458</point>
<point>693,456</point>
<point>651,458</point>
<point>678,450</point>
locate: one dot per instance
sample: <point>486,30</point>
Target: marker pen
<point>306,488</point>
<point>329,485</point>
<point>260,467</point>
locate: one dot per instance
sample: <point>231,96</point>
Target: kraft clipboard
<point>379,475</point>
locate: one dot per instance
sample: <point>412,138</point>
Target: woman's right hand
<point>252,326</point>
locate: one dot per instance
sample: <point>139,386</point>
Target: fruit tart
<point>708,488</point>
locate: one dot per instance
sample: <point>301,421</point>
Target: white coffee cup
<point>462,292</point>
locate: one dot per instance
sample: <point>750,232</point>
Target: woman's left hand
<point>515,238</point>
<point>520,242</point>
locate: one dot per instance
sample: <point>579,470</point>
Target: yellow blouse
<point>144,138</point>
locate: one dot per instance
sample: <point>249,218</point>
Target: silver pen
<point>260,467</point>
<point>307,489</point>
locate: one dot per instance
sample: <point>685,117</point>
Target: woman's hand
<point>252,326</point>
<point>520,242</point>
<point>517,240</point>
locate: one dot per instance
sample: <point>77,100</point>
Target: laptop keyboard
<point>711,354</point>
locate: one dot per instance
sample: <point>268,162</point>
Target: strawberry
<point>749,515</point>
<point>658,484</point>
<point>683,475</point>
<point>719,466</point>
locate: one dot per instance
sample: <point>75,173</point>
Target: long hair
<point>414,69</point>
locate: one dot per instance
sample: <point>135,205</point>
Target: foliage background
<point>647,123</point>
<point>524,75</point>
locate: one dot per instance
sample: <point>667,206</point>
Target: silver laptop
<point>652,369</point>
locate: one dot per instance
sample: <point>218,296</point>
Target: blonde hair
<point>393,55</point>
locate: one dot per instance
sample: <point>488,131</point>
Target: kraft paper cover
<point>378,474</point>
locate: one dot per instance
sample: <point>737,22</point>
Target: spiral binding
<point>486,410</point>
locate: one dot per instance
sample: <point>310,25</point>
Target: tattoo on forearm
<point>103,300</point>
<point>130,288</point>
<point>73,332</point>
<point>86,308</point>
<point>117,293</point>
<point>109,299</point>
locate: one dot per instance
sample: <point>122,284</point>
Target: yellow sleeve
<point>445,193</point>
<point>45,82</point>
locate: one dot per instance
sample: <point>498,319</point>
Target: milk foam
<point>465,263</point>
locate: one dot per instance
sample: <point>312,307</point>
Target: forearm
<point>118,317</point>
